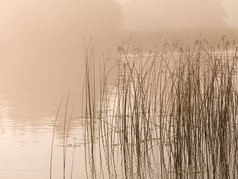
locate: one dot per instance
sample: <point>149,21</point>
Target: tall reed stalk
<point>171,113</point>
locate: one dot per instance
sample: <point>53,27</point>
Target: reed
<point>170,113</point>
<point>62,127</point>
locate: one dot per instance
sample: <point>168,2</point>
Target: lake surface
<point>30,93</point>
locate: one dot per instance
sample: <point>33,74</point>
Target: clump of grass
<point>170,113</point>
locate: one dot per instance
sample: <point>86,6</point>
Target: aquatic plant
<point>169,113</point>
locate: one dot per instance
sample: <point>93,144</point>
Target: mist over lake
<point>118,89</point>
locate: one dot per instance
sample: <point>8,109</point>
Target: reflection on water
<point>25,154</point>
<point>30,91</point>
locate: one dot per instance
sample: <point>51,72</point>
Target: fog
<point>56,27</point>
<point>232,13</point>
<point>173,14</point>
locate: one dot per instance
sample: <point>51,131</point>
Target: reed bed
<point>170,113</point>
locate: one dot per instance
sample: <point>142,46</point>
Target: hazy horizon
<point>64,115</point>
<point>56,28</point>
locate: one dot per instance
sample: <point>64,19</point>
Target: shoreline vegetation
<point>169,113</point>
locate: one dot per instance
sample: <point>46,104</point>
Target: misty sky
<point>147,8</point>
<point>173,14</point>
<point>40,26</point>
<point>231,8</point>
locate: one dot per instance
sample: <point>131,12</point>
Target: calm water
<point>30,92</point>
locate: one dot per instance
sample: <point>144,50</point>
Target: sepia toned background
<point>41,59</point>
<point>55,28</point>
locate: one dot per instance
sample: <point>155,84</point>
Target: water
<point>30,92</point>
